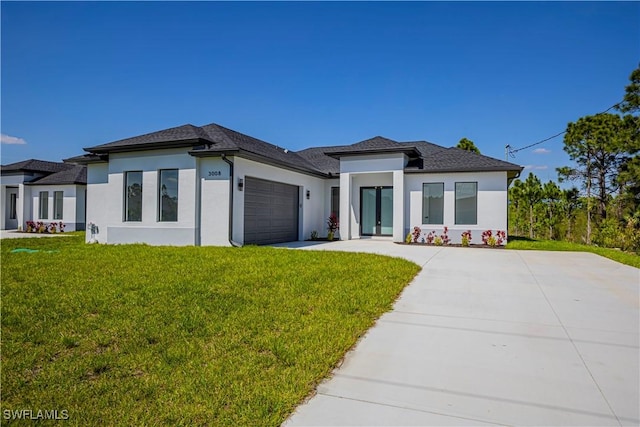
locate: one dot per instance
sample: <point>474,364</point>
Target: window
<point>12,206</point>
<point>168,195</point>
<point>466,202</point>
<point>58,202</point>
<point>44,204</point>
<point>335,201</point>
<point>433,203</point>
<point>133,196</point>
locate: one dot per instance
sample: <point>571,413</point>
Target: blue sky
<point>305,74</point>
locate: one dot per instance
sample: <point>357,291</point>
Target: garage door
<point>270,212</point>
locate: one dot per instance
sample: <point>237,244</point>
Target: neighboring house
<point>37,190</point>
<point>211,185</point>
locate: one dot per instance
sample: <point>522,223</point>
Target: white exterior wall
<point>214,201</point>
<point>109,217</point>
<point>311,214</point>
<point>492,203</point>
<point>380,179</point>
<point>328,185</point>
<point>374,170</point>
<point>100,205</point>
<point>71,211</point>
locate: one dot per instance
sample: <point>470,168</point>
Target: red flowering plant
<point>61,226</point>
<point>487,236</point>
<point>430,237</point>
<point>31,227</point>
<point>444,236</point>
<point>416,234</point>
<point>53,227</point>
<point>489,239</point>
<point>332,225</point>
<point>40,227</point>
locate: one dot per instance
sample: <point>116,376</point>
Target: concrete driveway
<point>492,337</point>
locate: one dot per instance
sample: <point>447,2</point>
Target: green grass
<point>523,243</point>
<point>140,335</point>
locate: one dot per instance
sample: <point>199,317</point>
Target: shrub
<point>314,235</point>
<point>489,239</point>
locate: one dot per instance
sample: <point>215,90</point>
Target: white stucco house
<point>38,190</point>
<point>211,185</point>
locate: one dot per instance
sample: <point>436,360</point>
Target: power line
<point>511,153</point>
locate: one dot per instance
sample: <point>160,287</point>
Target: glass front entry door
<point>376,211</point>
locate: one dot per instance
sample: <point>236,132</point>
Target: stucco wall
<point>106,198</point>
<point>491,199</point>
<point>373,163</point>
<point>99,206</point>
<point>72,212</point>
<point>214,201</point>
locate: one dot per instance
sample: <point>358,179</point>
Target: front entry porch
<point>372,204</point>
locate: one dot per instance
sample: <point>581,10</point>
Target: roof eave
<point>481,169</point>
<point>370,151</point>
<point>85,160</point>
<point>257,157</point>
<point>147,146</point>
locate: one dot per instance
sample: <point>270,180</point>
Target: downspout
<point>231,180</point>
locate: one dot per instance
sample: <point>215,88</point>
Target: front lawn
<point>141,335</point>
<point>524,243</point>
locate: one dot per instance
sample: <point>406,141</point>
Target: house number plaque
<point>215,173</point>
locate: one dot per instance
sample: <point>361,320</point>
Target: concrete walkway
<point>492,337</point>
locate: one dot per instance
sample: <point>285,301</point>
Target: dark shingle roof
<point>33,165</point>
<point>317,157</point>
<point>76,175</point>
<point>87,158</point>
<point>227,140</point>
<point>213,139</point>
<point>457,160</point>
<point>181,136</point>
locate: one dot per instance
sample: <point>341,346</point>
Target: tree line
<point>603,206</point>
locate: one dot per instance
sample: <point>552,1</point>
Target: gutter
<point>230,163</point>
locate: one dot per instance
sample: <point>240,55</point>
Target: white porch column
<point>345,206</point>
<point>398,206</point>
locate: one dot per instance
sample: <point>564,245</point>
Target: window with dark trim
<point>433,203</point>
<point>466,203</point>
<point>335,201</point>
<point>168,195</point>
<point>133,196</point>
<point>13,204</point>
<point>58,204</point>
<point>44,205</point>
